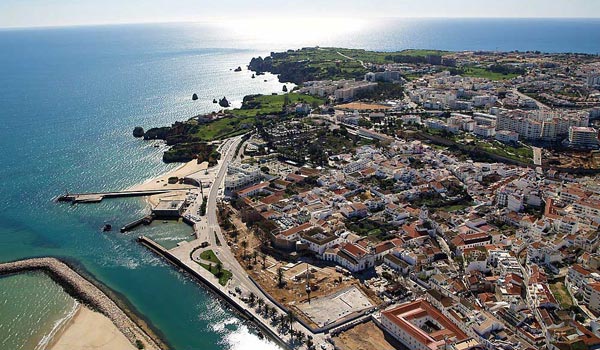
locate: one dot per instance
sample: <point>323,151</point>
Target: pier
<point>146,220</point>
<point>99,196</point>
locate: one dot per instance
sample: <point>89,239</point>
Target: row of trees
<point>284,321</point>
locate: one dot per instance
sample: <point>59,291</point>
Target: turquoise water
<point>70,97</point>
<point>31,298</point>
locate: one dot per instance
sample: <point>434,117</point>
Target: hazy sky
<point>26,13</point>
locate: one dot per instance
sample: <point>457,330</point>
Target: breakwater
<point>85,292</point>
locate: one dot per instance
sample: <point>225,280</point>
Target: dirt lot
<point>366,336</point>
<point>324,281</point>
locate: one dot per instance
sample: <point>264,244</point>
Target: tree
<point>263,256</point>
<point>219,267</point>
<point>244,246</point>
<point>309,342</point>
<point>280,280</point>
<point>290,318</point>
<point>254,255</point>
<point>252,298</point>
<point>282,321</point>
<point>261,302</point>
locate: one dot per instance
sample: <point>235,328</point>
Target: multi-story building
<point>541,125</point>
<point>507,136</point>
<point>418,325</point>
<point>583,137</point>
<point>241,175</point>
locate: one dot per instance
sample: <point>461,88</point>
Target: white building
<point>583,137</point>
<point>507,136</point>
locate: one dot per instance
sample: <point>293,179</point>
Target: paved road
<point>208,228</point>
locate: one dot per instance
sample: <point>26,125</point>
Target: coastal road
<point>208,230</point>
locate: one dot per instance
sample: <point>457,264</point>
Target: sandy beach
<point>161,182</point>
<point>89,330</point>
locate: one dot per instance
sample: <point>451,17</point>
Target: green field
<point>478,72</point>
<point>322,63</point>
<point>523,154</point>
<point>271,104</point>
<point>224,127</point>
<point>561,294</point>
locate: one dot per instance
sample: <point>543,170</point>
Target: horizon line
<point>217,19</point>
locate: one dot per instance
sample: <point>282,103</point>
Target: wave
<point>58,325</point>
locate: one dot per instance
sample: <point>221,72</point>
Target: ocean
<point>69,99</point>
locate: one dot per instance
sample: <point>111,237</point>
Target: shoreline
<point>90,295</point>
<point>61,329</point>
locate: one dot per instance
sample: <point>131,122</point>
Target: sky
<point>35,13</point>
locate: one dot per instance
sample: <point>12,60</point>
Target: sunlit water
<point>69,99</point>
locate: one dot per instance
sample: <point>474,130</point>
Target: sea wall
<point>85,292</point>
<point>238,308</point>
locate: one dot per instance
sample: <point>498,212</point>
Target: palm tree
<point>244,245</point>
<point>309,342</point>
<point>290,318</point>
<point>280,280</point>
<point>219,267</point>
<point>261,302</point>
<point>263,256</point>
<point>282,320</point>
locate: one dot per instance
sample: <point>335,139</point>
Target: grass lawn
<point>223,275</point>
<point>209,255</point>
<point>561,294</point>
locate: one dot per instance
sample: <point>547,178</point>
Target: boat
<point>107,227</point>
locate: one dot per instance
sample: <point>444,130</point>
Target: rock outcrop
<point>224,103</point>
<point>194,97</point>
<point>138,131</point>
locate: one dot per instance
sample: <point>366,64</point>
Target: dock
<point>99,196</point>
<point>146,220</point>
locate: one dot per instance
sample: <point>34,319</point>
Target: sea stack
<point>194,97</point>
<point>138,131</point>
<point>224,103</point>
<point>253,76</point>
<point>215,100</point>
<point>238,69</point>
<point>285,88</point>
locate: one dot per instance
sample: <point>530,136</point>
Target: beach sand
<point>161,182</point>
<point>90,330</point>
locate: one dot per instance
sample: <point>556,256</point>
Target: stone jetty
<point>85,292</point>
